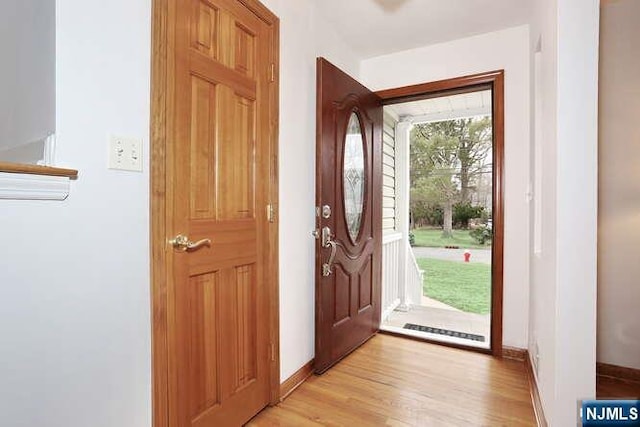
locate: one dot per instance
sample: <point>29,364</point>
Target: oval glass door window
<point>353,177</point>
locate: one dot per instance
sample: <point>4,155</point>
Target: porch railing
<point>401,276</point>
<point>391,245</point>
<point>415,278</point>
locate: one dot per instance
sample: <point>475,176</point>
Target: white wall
<point>29,153</point>
<point>578,29</point>
<point>304,35</point>
<point>508,50</point>
<point>542,318</point>
<point>563,275</point>
<point>619,195</point>
<point>74,275</point>
<point>27,74</point>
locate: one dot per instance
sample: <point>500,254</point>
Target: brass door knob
<point>183,244</point>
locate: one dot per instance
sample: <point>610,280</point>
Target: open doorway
<point>442,213</point>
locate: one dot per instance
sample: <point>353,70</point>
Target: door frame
<point>465,84</point>
<point>161,126</point>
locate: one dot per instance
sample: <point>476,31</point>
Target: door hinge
<point>273,351</point>
<point>272,72</point>
<point>271,213</point>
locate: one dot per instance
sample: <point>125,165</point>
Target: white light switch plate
<point>125,153</point>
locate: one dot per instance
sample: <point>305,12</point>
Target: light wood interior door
<point>219,308</point>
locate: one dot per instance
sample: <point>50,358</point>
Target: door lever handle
<point>328,242</point>
<point>183,244</point>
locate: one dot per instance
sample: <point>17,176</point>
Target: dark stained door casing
<point>348,289</point>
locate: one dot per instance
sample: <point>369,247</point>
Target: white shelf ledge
<point>22,186</point>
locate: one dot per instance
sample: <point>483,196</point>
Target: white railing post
<point>402,277</point>
<point>402,160</point>
<point>415,278</point>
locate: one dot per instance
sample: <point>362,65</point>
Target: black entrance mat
<point>446,332</point>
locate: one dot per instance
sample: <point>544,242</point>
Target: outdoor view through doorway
<point>438,187</point>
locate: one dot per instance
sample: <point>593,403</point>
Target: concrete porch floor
<point>439,315</point>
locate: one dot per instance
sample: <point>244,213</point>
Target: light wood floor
<point>399,382</point>
<point>612,388</point>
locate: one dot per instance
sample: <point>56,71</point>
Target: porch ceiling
<point>444,108</point>
<point>378,27</point>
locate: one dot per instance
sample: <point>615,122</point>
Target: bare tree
<point>447,159</point>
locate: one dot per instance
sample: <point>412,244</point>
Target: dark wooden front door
<point>349,214</point>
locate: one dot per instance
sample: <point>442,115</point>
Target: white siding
<point>388,174</point>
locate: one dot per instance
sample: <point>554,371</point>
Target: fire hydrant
<point>467,256</point>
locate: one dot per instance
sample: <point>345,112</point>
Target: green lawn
<point>465,286</point>
<point>432,237</point>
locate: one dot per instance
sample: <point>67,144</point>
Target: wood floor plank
<point>392,381</point>
<point>614,388</point>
